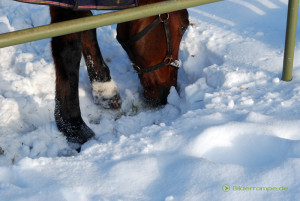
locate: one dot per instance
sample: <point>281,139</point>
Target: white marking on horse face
<point>105,90</point>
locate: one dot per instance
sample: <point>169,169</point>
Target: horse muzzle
<point>156,96</point>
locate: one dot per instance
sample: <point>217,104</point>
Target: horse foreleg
<point>66,55</point>
<point>66,52</point>
<point>105,90</point>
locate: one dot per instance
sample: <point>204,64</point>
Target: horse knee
<point>97,69</point>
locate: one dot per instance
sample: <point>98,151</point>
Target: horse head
<point>152,45</point>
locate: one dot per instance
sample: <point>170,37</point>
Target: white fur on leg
<point>105,89</point>
<point>105,92</point>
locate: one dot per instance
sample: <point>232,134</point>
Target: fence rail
<point>86,23</point>
<point>82,24</point>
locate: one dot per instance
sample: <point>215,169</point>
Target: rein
<point>168,60</point>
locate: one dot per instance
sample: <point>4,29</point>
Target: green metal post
<point>290,39</point>
<point>67,27</point>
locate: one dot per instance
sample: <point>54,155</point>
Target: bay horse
<point>152,44</point>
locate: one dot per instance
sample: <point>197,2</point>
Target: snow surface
<point>232,121</point>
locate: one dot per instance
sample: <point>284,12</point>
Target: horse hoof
<point>80,136</point>
<point>112,103</point>
<point>106,94</point>
<point>76,132</point>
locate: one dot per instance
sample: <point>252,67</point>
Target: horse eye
<point>182,28</point>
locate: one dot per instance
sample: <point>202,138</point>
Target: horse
<point>152,45</point>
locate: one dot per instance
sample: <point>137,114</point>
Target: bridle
<point>168,60</point>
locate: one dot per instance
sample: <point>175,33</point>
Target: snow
<point>232,120</point>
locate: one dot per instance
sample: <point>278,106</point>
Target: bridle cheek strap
<point>168,60</point>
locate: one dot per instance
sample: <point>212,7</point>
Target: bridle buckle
<point>136,68</point>
<point>168,60</point>
<point>160,17</point>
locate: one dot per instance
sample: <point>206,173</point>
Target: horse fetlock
<point>106,94</point>
<point>75,130</point>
